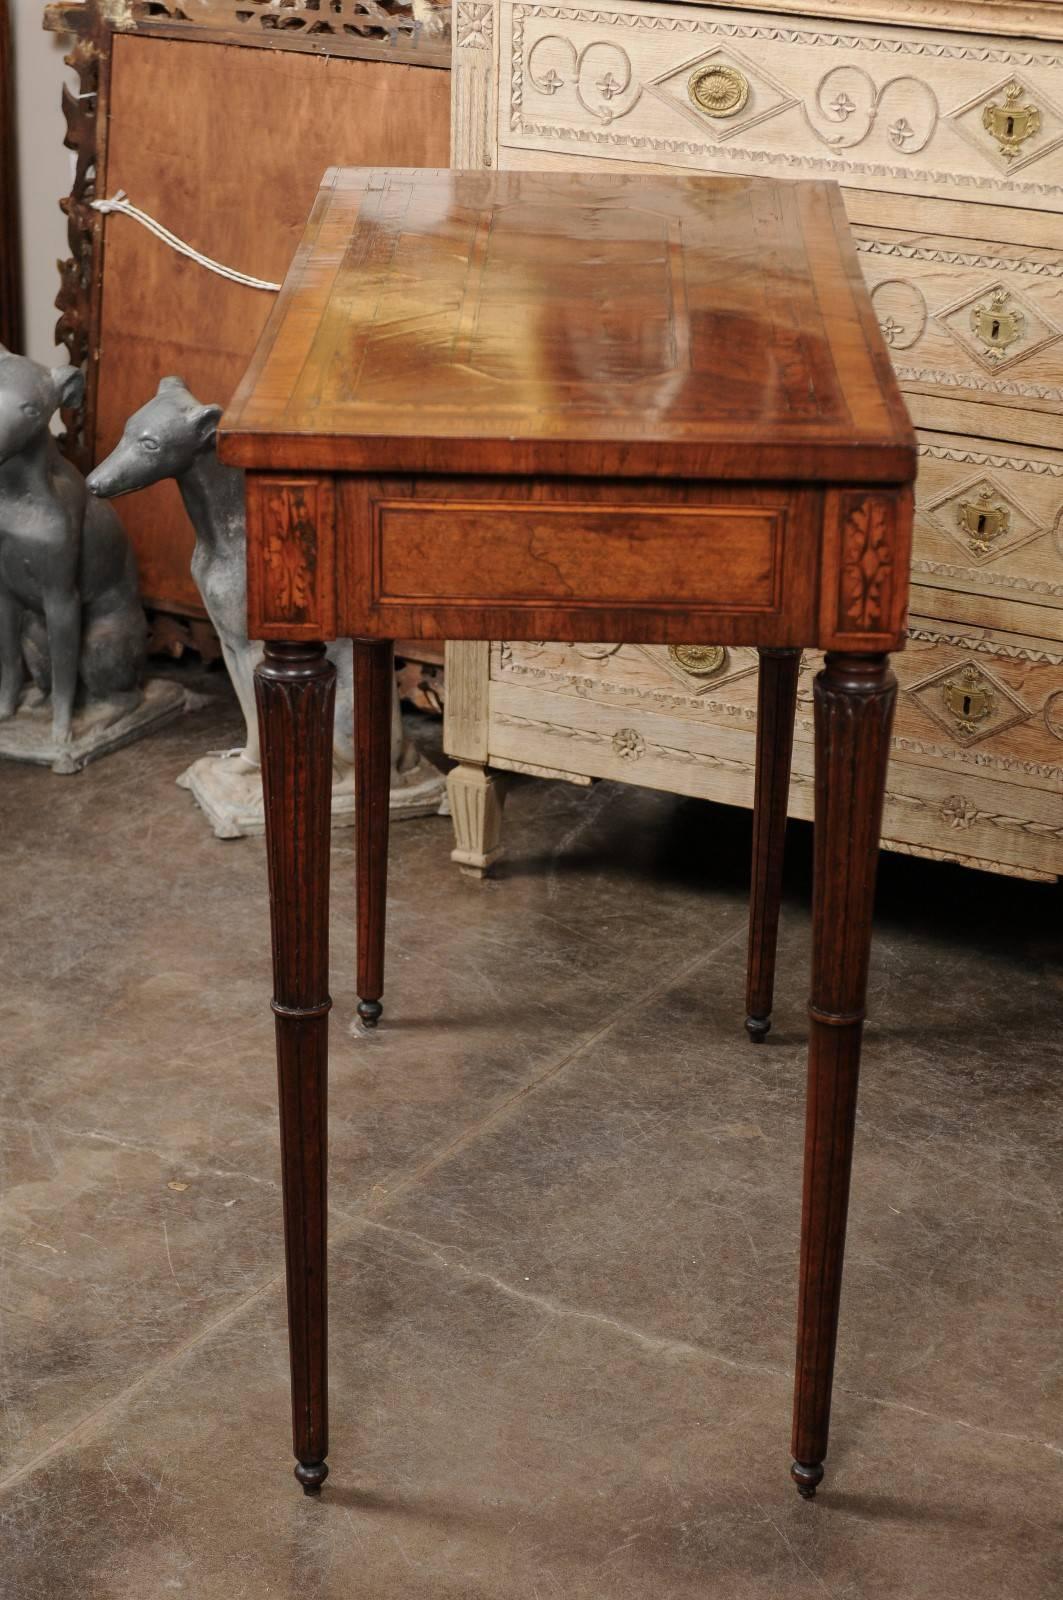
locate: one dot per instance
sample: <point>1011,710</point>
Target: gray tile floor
<point>564,1232</point>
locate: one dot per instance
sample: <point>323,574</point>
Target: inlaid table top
<point>629,325</point>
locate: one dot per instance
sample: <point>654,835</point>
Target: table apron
<point>577,559</point>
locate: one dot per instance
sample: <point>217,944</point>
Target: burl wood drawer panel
<point>969,320</point>
<point>422,557</point>
<point>988,535</point>
<point>909,110</point>
<point>978,770</point>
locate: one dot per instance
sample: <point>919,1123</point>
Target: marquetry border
<point>864,577</point>
<point>291,557</point>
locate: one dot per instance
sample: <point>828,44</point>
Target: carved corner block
<point>291,558</point>
<point>867,539</point>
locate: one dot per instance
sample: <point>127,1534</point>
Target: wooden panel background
<point>10,266</point>
<point>226,146</point>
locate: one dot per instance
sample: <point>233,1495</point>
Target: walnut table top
<point>534,322</point>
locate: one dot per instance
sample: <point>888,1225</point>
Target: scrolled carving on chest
<point>1053,714</point>
<point>599,75</point>
<point>901,311</point>
<point>846,106</point>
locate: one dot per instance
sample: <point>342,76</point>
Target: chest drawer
<point>977,766</point>
<point>969,320</point>
<point>907,110</point>
<point>989,523</point>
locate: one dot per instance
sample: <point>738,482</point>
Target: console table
<point>506,406</point>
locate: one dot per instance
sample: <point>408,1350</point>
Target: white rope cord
<point>121,203</point>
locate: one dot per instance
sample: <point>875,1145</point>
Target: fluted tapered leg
<point>295,687</point>
<point>854,699</point>
<point>374,673</point>
<point>776,708</point>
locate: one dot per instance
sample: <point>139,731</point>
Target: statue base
<point>99,727</point>
<point>230,796</point>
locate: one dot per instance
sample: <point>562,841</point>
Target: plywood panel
<point>226,146</point>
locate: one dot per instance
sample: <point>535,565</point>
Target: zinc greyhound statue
<point>69,603</point>
<point>175,436</point>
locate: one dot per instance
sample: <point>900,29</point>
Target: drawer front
<point>909,110</point>
<point>977,766</point>
<point>989,522</point>
<point>585,558</point>
<point>969,320</point>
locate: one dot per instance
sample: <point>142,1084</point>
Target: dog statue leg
<point>241,658</point>
<point>62,615</point>
<point>12,670</point>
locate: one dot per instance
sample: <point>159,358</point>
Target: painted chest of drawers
<point>943,123</point>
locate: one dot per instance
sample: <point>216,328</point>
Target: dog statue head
<point>161,440</point>
<point>30,395</point>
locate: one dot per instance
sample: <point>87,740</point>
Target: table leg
<point>295,686</point>
<point>776,710</point>
<point>854,699</point>
<point>374,672</point>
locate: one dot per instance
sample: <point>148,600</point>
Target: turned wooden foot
<point>776,708</point>
<point>854,699</point>
<point>295,686</point>
<point>373,694</point>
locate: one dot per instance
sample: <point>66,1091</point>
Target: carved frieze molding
<point>1040,468</point>
<point>636,747</point>
<point>957,806</point>
<point>959,258</point>
<point>944,379</point>
<point>990,647</point>
<point>891,44</point>
<point>977,758</point>
<point>997,580</point>
<point>656,698</point>
<point>1004,868</point>
<point>787,161</point>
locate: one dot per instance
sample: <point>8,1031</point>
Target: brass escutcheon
<point>997,324</point>
<point>700,660</point>
<point>1011,124</point>
<point>968,698</point>
<point>719,91</point>
<point>983,521</point>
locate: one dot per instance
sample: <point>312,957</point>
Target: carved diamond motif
<point>699,677</point>
<point>764,97</point>
<point>1011,124</point>
<point>984,520</point>
<point>969,702</point>
<point>997,326</point>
